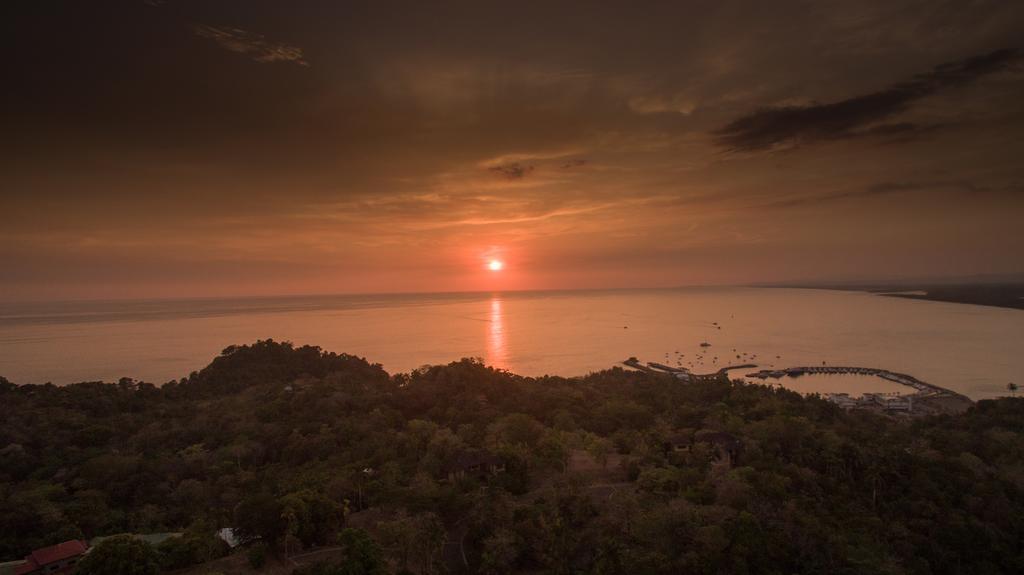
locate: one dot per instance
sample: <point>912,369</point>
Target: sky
<point>165,148</point>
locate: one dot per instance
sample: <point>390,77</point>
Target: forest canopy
<point>466,468</point>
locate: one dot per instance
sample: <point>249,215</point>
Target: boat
<point>705,344</point>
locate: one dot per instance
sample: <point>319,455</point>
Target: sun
<point>495,265</point>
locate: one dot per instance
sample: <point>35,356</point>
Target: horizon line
<point>852,284</point>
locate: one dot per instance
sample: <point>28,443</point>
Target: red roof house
<point>59,558</point>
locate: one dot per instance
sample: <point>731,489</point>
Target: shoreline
<point>1008,295</point>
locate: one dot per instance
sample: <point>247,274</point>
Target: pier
<point>635,364</point>
<point>681,372</point>
<point>666,368</point>
<point>725,370</point>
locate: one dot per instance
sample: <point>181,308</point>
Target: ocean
<point>974,350</point>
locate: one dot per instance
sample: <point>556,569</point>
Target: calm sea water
<point>972,349</point>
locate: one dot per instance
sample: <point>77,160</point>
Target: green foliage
<point>362,556</point>
<point>310,517</point>
<point>287,445</point>
<point>414,540</point>
<point>120,555</point>
<point>198,544</point>
<point>257,555</point>
<point>238,367</point>
<point>260,517</point>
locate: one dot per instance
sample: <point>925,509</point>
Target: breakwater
<point>926,398</point>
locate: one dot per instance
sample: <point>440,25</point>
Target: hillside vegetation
<point>616,472</point>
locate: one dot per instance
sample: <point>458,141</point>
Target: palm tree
<point>1012,387</point>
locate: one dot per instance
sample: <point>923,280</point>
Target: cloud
<point>897,187</point>
<point>870,191</point>
<point>513,171</point>
<point>574,163</point>
<point>858,116</point>
<point>254,45</point>
<point>678,104</point>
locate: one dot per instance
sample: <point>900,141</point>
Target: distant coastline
<point>996,295</point>
<point>1005,295</point>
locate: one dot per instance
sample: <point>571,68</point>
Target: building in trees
<point>727,446</point>
<point>474,464</point>
<point>679,441</point>
<point>59,558</point>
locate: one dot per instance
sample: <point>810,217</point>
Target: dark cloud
<point>880,190</point>
<point>857,116</point>
<point>574,163</point>
<point>513,171</point>
<point>899,132</point>
<point>898,187</point>
<point>965,186</point>
<point>256,46</point>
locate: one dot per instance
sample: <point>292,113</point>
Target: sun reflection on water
<point>496,352</point>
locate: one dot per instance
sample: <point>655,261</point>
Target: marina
<point>926,398</point>
<point>929,397</point>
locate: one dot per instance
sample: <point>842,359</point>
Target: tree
<point>599,449</point>
<point>198,544</point>
<point>516,429</point>
<point>553,452</point>
<point>260,517</point>
<point>362,557</point>
<point>120,555</point>
<point>1012,387</point>
<point>257,556</point>
<point>417,538</point>
<point>500,552</point>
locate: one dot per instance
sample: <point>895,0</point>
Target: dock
<point>666,368</point>
<point>728,368</point>
<point>635,364</point>
<point>682,373</point>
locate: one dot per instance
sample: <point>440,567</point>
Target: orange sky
<point>215,148</point>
